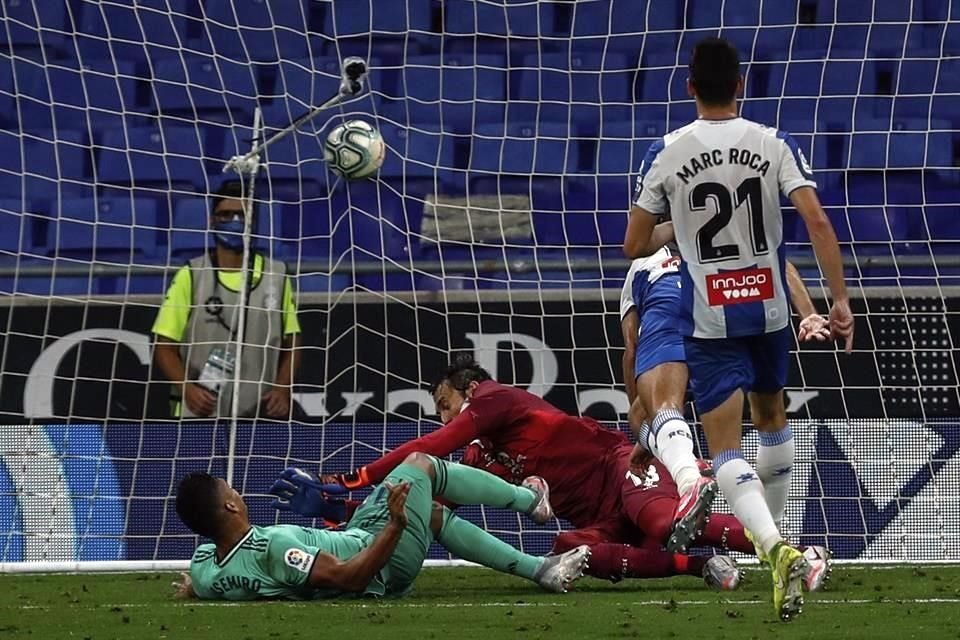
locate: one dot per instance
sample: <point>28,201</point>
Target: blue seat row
<point>373,220</point>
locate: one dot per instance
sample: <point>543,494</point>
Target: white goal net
<point>514,131</point>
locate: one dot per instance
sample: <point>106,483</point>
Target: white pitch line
<point>520,605</point>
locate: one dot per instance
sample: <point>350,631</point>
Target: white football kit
<point>720,181</point>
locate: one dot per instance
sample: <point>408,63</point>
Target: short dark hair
<point>463,370</point>
<point>229,190</point>
<point>199,502</point>
<point>715,71</point>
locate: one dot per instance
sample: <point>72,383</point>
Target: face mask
<point>229,234</point>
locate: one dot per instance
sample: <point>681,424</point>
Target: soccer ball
<point>354,150</point>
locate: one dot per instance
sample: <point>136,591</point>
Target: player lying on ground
<point>721,178</point>
<point>655,376</point>
<point>379,553</point>
<point>624,516</point>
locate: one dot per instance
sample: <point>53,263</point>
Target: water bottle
<point>216,370</point>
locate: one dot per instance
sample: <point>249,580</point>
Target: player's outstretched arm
<point>455,434</point>
<point>825,245</point>
<point>356,573</point>
<point>813,326</point>
<point>644,236</point>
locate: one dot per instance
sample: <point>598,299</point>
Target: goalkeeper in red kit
<point>624,514</point>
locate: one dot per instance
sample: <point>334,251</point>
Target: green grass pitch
<point>448,604</point>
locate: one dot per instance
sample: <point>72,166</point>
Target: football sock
<point>611,561</point>
<point>723,531</point>
<point>744,493</point>
<point>646,438</point>
<point>465,485</point>
<point>468,541</point>
<point>775,457</point>
<point>675,448</point>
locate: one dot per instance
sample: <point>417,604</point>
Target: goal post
<point>514,132</point>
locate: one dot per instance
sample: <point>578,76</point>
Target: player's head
<point>207,505</point>
<point>715,76</point>
<point>456,386</point>
<point>226,215</point>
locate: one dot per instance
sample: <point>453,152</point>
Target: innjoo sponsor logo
<point>737,287</point>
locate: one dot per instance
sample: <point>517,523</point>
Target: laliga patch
<point>298,559</point>
<point>738,287</point>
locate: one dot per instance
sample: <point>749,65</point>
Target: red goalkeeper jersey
<point>529,436</point>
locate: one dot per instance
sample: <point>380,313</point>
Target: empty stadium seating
<point>113,114</point>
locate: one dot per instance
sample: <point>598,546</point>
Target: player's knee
<point>421,461</point>
<point>658,527</point>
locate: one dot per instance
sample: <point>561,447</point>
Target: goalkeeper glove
<point>353,480</point>
<point>302,493</point>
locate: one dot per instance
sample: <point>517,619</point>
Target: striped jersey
<point>720,181</point>
<point>272,562</point>
<point>643,273</point>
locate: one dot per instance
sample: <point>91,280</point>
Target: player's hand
<point>353,480</point>
<point>639,459</point>
<point>200,400</point>
<point>183,590</point>
<point>397,503</point>
<point>814,327</point>
<point>300,492</point>
<point>276,402</point>
<point>841,323</point>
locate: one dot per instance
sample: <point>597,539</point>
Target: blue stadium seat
<point>92,97</point>
<point>524,148</point>
<point>418,151</point>
<point>188,234</point>
<point>803,79</point>
<point>106,229</point>
<point>618,151</point>
<point>502,18</point>
<point>576,77</point>
<point>591,18</point>
<point>655,76</point>
<point>18,223</point>
<point>924,40</point>
<point>345,18</point>
<point>156,22</point>
<point>167,157</point>
<point>266,30</point>
<point>34,29</point>
<point>40,164</point>
<point>457,90</point>
<point>207,88</point>
<point>660,15</point>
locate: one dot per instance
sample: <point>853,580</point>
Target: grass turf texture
<point>902,602</point>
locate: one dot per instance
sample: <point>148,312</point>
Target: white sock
<point>675,448</point>
<point>744,493</point>
<point>774,467</point>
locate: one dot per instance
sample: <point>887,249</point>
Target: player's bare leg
<point>663,389</point>
<point>744,492</point>
<point>776,453</point>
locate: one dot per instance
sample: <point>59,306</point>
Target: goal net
<point>514,131</point>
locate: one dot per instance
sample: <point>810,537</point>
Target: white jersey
<point>643,273</point>
<point>721,182</point>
